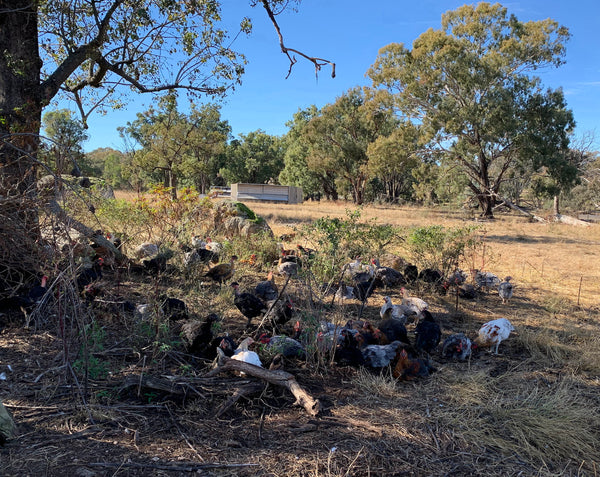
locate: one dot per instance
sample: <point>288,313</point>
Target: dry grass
<point>532,410</point>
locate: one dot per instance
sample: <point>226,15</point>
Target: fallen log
<point>277,377</point>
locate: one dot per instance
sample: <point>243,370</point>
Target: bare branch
<point>318,62</point>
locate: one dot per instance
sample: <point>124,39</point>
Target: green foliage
<point>254,158</point>
<point>443,248</point>
<point>340,240</point>
<point>94,336</point>
<point>248,213</point>
<point>468,87</point>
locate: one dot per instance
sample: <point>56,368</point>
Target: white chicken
<point>414,304</point>
<point>242,353</point>
<point>505,289</point>
<point>494,332</point>
<point>398,312</point>
<point>146,250</point>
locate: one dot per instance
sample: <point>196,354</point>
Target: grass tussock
<point>382,385</point>
<point>549,423</point>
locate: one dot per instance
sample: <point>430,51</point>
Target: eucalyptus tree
<point>296,171</point>
<point>256,158</point>
<point>64,150</point>
<point>340,136</point>
<point>471,86</point>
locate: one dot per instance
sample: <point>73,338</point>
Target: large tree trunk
<point>20,117</point>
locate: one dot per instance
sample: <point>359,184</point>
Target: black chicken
<point>411,273</point>
<point>428,333</point>
<point>249,305</point>
<point>394,330</point>
<point>174,309</point>
<point>281,313</point>
<point>267,290</point>
<point>89,275</point>
<point>431,275</point>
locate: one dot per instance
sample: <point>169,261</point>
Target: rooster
<point>407,369</point>
<point>494,332</point>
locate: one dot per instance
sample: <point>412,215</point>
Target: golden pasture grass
<point>534,419</point>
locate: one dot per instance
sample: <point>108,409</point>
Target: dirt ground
<point>366,426</point>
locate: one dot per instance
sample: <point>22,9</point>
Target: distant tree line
<point>457,117</point>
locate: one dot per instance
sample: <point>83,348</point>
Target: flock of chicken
<point>357,342</point>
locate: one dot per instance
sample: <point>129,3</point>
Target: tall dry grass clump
<point>549,423</point>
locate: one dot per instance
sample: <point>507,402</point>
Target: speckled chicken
<point>505,290</point>
<point>457,346</point>
<point>267,290</point>
<point>379,356</point>
<point>494,332</point>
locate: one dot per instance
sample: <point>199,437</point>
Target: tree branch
<point>318,62</point>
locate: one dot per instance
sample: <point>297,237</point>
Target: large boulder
<point>236,219</point>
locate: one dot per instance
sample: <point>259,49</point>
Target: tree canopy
<point>470,86</point>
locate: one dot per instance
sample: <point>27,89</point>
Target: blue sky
<point>350,33</point>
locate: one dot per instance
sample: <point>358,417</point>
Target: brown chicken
<point>408,369</point>
<point>222,272</point>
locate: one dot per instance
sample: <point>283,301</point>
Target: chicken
<point>505,290</point>
<point>457,346</point>
<point>200,256</point>
<point>7,425</point>
<point>213,246</point>
<point>198,242</point>
<point>394,330</point>
<point>146,250</point>
<point>279,344</point>
<point>267,290</point>
<point>428,333</point>
<point>494,332</point>
<point>222,272</point>
<point>411,273</point>
<point>352,267</point>
<point>387,276</point>
<point>407,369</point>
<point>414,304</point>
<point>347,351</point>
<point>363,290</point>
<point>398,312</point>
<point>379,356</point>
<point>89,275</point>
<point>279,312</point>
<point>430,275</point>
<point>344,292</point>
<point>174,309</point>
<point>242,353</point>
<point>249,305</point>
<point>485,280</point>
<point>287,266</point>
